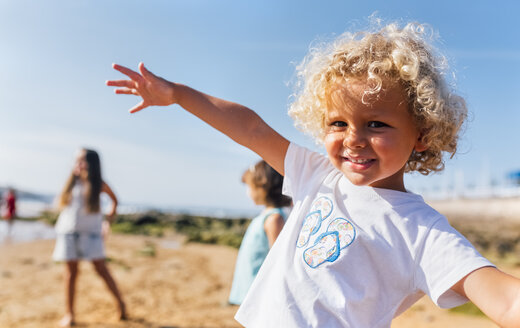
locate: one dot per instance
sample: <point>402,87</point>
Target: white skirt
<point>78,246</point>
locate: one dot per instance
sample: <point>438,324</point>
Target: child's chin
<point>358,182</point>
<point>354,177</point>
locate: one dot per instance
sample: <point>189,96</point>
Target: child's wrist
<point>176,91</point>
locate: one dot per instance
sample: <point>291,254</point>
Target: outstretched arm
<point>496,293</point>
<point>236,121</point>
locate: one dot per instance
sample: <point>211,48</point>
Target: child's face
<point>371,143</point>
<point>81,166</point>
<point>256,194</point>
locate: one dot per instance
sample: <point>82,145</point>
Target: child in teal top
<point>264,188</point>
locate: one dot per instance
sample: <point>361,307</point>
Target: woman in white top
<point>80,228</point>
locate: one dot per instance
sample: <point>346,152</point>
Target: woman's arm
<point>273,225</point>
<point>496,293</point>
<point>106,189</point>
<point>234,120</point>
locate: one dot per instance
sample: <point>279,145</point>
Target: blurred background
<point>183,207</point>
<point>56,56</point>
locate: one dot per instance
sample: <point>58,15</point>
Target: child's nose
<point>354,139</point>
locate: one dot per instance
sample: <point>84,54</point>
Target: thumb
<point>137,107</point>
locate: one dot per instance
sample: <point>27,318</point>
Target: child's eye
<point>376,124</point>
<point>339,124</point>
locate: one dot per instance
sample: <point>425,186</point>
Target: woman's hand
<point>154,90</point>
<point>105,229</point>
<point>112,214</point>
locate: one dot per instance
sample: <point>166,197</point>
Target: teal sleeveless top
<point>251,255</point>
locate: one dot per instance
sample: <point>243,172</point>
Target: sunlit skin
<point>370,143</point>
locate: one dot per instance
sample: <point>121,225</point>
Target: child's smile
<point>370,143</point>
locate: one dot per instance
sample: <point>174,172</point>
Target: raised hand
<point>154,90</point>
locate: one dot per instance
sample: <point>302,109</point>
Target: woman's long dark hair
<point>94,183</point>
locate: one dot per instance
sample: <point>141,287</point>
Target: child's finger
<point>121,83</point>
<point>145,72</point>
<point>128,72</point>
<point>126,91</point>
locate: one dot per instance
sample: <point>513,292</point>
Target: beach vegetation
<point>201,229</point>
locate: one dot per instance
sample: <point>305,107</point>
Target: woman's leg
<point>102,270</point>
<point>71,275</point>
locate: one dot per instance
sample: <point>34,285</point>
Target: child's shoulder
<point>408,207</point>
<point>414,205</point>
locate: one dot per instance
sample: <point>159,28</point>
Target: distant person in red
<point>10,209</point>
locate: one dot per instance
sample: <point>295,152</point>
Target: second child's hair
<point>386,55</point>
<point>93,184</point>
<point>264,177</point>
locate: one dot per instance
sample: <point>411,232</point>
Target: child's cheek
<point>333,141</point>
<point>391,150</point>
<point>333,146</point>
<point>381,142</point>
<point>384,146</point>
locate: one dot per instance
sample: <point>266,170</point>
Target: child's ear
<point>420,145</point>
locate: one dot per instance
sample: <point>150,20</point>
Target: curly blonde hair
<point>388,54</point>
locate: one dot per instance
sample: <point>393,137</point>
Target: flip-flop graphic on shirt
<point>311,225</point>
<point>345,229</point>
<point>320,210</point>
<point>326,248</point>
<point>323,205</point>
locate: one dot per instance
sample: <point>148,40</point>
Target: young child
<point>80,227</point>
<point>358,248</point>
<point>264,188</point>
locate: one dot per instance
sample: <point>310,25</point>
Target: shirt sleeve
<point>447,257</point>
<point>301,168</point>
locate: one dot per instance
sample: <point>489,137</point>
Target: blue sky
<point>56,56</point>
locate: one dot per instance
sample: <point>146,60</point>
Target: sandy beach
<point>184,287</point>
<point>165,282</point>
<point>163,287</point>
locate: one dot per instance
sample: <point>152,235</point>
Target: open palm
<point>154,90</point>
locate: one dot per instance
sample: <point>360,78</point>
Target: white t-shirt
<point>75,218</point>
<point>351,256</point>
